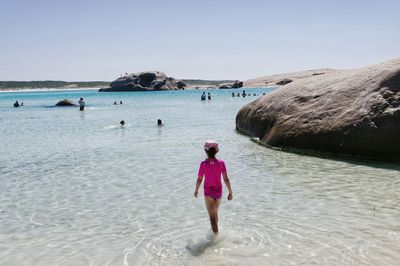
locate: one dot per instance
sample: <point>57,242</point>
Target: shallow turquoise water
<point>76,189</point>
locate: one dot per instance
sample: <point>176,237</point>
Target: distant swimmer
<point>264,93</point>
<point>115,103</point>
<point>16,104</point>
<point>22,104</point>
<point>233,94</point>
<point>120,102</point>
<point>122,123</point>
<point>159,123</point>
<point>254,94</point>
<point>209,96</point>
<point>238,94</point>
<point>203,96</point>
<point>244,93</point>
<point>81,104</point>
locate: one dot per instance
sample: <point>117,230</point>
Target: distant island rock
<point>345,112</point>
<point>66,102</point>
<point>232,85</point>
<point>145,81</point>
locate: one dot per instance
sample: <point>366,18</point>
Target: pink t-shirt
<point>212,169</point>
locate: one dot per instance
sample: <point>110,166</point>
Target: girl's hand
<point>196,193</point>
<point>230,197</point>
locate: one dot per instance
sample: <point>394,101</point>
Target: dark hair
<point>211,152</point>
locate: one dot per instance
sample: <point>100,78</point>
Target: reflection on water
<point>81,191</point>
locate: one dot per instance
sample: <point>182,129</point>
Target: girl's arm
<point>228,185</point>
<point>198,183</point>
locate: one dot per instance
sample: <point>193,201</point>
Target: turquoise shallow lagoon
<point>76,189</point>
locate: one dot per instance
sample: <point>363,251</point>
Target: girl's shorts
<point>213,192</point>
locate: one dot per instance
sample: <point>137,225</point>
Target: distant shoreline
<point>47,89</point>
<point>55,85</point>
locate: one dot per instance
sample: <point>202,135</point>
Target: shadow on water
<point>382,163</point>
<point>196,248</point>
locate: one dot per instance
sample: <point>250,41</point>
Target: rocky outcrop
<point>234,85</point>
<point>144,81</point>
<point>347,112</point>
<point>66,102</point>
<point>283,79</point>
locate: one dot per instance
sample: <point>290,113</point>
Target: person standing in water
<point>81,104</point>
<point>203,96</point>
<point>122,123</point>
<point>209,96</point>
<point>212,169</point>
<point>16,104</point>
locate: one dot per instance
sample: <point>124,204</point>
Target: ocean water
<point>77,189</point>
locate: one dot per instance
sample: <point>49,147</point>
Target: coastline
<point>47,89</point>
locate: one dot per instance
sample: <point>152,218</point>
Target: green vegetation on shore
<point>4,85</point>
<point>194,82</point>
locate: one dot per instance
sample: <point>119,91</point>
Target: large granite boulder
<point>234,85</point>
<point>66,102</point>
<point>346,112</point>
<point>145,81</point>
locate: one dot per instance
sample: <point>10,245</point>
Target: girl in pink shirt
<point>212,169</point>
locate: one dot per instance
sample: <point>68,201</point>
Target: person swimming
<point>16,104</point>
<point>159,123</point>
<point>233,94</point>
<point>122,123</point>
<point>120,102</point>
<point>209,96</point>
<point>115,102</point>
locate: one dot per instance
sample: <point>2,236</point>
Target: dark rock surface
<point>345,112</point>
<point>284,81</point>
<point>66,102</point>
<point>235,85</point>
<point>144,81</point>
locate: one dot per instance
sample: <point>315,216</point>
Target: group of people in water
<point>244,94</point>
<point>204,96</point>
<point>115,103</point>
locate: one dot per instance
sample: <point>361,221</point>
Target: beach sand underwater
<point>79,189</point>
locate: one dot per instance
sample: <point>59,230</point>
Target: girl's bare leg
<point>212,212</point>
<point>217,203</point>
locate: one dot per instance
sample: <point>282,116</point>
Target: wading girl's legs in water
<point>212,208</point>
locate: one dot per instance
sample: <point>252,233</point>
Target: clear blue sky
<point>98,40</point>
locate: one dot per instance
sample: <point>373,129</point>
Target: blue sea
<point>77,189</point>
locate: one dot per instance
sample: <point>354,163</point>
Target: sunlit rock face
<point>346,112</point>
<point>144,81</point>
